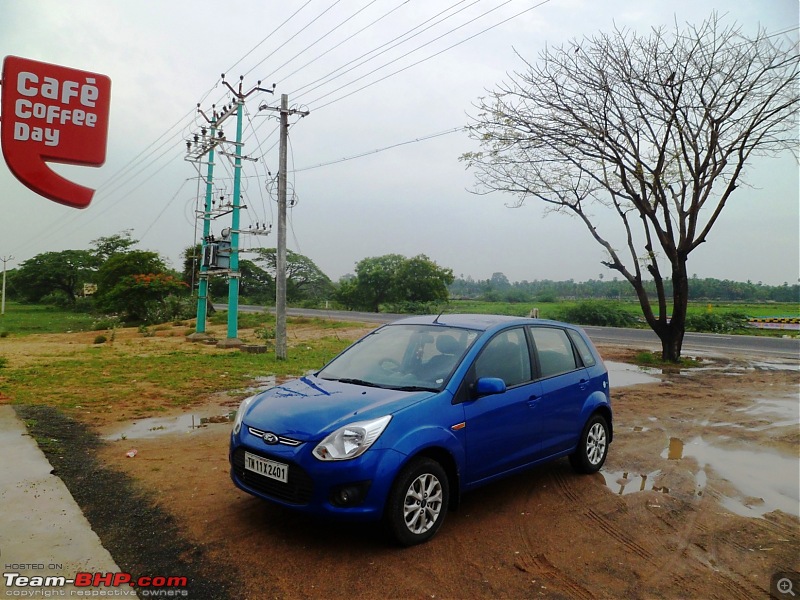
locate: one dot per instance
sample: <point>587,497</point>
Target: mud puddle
<point>763,481</point>
<point>624,374</point>
<point>221,411</point>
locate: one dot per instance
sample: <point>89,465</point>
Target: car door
<point>501,429</point>
<point>565,387</point>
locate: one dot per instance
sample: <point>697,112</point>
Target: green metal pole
<point>202,290</point>
<point>233,282</point>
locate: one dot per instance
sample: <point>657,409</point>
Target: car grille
<point>297,490</point>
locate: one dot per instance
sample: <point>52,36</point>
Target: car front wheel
<point>592,448</point>
<point>417,503</point>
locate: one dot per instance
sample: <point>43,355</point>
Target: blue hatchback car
<point>419,411</point>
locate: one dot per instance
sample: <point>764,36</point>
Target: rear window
<point>583,348</point>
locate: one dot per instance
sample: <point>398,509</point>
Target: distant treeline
<point>499,288</point>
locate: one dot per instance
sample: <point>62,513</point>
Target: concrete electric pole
<point>5,259</point>
<point>280,258</point>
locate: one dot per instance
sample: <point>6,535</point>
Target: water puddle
<point>765,480</point>
<point>623,482</point>
<point>623,374</point>
<point>156,426</point>
<point>770,413</point>
<point>778,412</point>
<point>260,384</point>
<point>188,423</point>
<point>776,366</point>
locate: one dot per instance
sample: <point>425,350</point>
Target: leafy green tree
<point>394,279</point>
<point>421,280</point>
<point>62,272</point>
<point>130,282</point>
<point>375,278</point>
<point>146,297</point>
<point>304,279</point>
<point>106,247</point>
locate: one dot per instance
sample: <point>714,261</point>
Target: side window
<point>583,348</point>
<point>506,356</point>
<point>554,351</point>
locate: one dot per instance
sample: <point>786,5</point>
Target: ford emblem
<point>270,438</point>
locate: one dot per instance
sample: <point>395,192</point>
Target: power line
<point>426,58</point>
<point>378,150</point>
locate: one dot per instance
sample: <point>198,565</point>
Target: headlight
<point>351,440</point>
<point>237,422</point>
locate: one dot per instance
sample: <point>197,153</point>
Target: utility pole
<point>280,258</point>
<point>5,259</point>
<point>237,108</point>
<point>209,143</point>
<point>233,341</point>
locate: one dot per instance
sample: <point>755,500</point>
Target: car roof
<point>471,321</point>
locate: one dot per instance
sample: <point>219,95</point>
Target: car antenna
<point>436,320</point>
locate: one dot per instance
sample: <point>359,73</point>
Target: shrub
<point>100,339</point>
<point>716,322</point>
<point>603,314</point>
<point>107,322</point>
<point>413,308</point>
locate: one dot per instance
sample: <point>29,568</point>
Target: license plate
<point>267,468</point>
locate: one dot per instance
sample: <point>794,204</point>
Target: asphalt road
<point>705,343</point>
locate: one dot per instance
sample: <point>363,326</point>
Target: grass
<point>27,319</point>
<point>653,359</point>
<point>139,375</point>
<point>551,310</point>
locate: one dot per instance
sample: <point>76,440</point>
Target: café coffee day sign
<point>52,113</point>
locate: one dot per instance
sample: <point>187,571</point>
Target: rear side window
<point>583,348</point>
<point>554,351</point>
<point>506,356</point>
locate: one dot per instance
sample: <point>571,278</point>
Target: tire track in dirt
<point>535,563</point>
<point>539,566</point>
<point>682,557</point>
<point>618,534</point>
<point>567,490</point>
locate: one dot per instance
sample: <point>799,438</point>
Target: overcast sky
<point>410,197</point>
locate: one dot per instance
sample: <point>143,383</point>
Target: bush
<point>603,314</point>
<point>100,339</point>
<point>107,322</point>
<point>716,322</point>
<point>413,308</point>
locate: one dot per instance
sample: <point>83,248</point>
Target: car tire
<point>592,448</point>
<point>418,501</point>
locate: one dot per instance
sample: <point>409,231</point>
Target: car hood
<point>309,407</point>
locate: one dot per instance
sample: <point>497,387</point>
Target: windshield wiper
<point>356,382</point>
<point>415,388</point>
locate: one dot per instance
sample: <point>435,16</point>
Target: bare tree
<point>654,129</point>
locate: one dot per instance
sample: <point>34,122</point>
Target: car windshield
<point>403,357</point>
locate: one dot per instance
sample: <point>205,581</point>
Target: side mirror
<point>488,386</point>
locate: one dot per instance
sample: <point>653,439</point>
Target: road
<point>705,343</point>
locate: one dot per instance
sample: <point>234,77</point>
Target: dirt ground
<point>698,499</point>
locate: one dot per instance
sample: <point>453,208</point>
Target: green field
<point>25,319</point>
<point>551,310</point>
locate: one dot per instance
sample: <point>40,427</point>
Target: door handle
<point>583,384</point>
<point>533,400</point>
